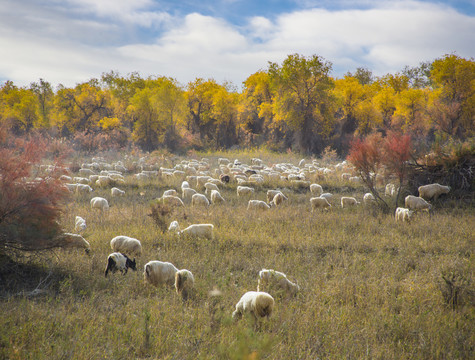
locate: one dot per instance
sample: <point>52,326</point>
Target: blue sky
<point>72,41</point>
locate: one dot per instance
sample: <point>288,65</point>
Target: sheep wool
<point>184,282</point>
<point>157,273</point>
<point>416,203</point>
<point>126,244</point>
<point>71,241</point>
<point>319,203</point>
<point>403,214</point>
<point>257,303</point>
<point>270,279</point>
<point>199,230</point>
<point>427,192</point>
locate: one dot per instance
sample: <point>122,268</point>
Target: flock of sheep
<point>197,176</point>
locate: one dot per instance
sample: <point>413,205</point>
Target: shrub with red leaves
<point>370,154</point>
<point>29,207</point>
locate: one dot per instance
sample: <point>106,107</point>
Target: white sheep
<point>185,185</point>
<point>390,190</point>
<point>348,201</point>
<point>316,189</point>
<point>184,282</point>
<point>117,192</point>
<point>417,203</point>
<point>216,197</point>
<point>368,198</point>
<point>271,279</point>
<point>210,186</point>
<point>199,200</point>
<point>244,190</point>
<point>199,230</point>
<point>117,261</point>
<point>68,240</point>
<point>319,203</point>
<point>170,192</point>
<point>99,203</point>
<point>278,199</point>
<point>258,304</point>
<point>79,224</point>
<point>430,191</point>
<point>83,189</point>
<point>257,205</point>
<point>272,193</point>
<point>174,226</point>
<point>126,244</point>
<point>403,214</point>
<point>327,196</point>
<point>159,272</point>
<point>187,194</point>
<point>171,200</point>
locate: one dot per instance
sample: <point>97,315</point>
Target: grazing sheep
<point>258,304</point>
<point>327,196</point>
<point>390,190</point>
<point>174,227</point>
<point>71,187</point>
<point>171,200</point>
<point>170,192</point>
<point>68,240</point>
<point>199,200</point>
<point>117,261</point>
<point>278,199</point>
<point>80,224</point>
<point>117,192</point>
<point>257,205</point>
<point>187,194</point>
<point>83,189</point>
<point>272,193</point>
<point>99,203</point>
<point>271,279</point>
<point>210,186</point>
<point>185,185</point>
<point>184,282</point>
<point>319,203</point>
<point>199,230</point>
<point>159,272</point>
<point>126,244</point>
<point>348,201</point>
<point>216,197</point>
<point>417,203</point>
<point>316,189</point>
<point>368,198</point>
<point>430,191</point>
<point>244,190</point>
<point>403,214</point>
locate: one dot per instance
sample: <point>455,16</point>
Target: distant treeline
<point>296,105</point>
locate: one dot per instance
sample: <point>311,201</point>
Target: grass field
<point>370,288</point>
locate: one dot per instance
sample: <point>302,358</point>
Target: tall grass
<point>370,287</point>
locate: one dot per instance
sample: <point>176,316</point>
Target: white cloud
<point>68,50</point>
<point>130,11</point>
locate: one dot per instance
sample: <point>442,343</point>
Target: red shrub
<point>29,207</point>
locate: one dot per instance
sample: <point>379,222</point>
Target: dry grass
<point>371,288</point>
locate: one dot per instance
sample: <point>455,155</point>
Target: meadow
<point>371,288</point>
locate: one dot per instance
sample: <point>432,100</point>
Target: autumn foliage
<point>29,206</point>
<point>373,153</point>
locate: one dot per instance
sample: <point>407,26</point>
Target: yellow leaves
<point>107,123</point>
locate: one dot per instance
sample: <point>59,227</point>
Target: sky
<point>72,41</point>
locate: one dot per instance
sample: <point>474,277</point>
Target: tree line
<point>296,104</point>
